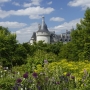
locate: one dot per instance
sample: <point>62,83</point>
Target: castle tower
<point>33,38</point>
<point>43,34</point>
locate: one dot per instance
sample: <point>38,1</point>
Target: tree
<point>81,36</point>
<point>19,55</point>
<point>11,53</point>
<point>7,46</point>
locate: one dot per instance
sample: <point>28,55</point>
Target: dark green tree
<point>68,51</point>
<point>20,55</point>
<point>7,46</point>
<point>11,53</point>
<point>81,36</point>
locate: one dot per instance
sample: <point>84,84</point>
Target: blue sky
<point>23,16</point>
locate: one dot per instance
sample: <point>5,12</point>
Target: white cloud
<point>58,19</point>
<point>4,14</point>
<point>27,4</point>
<point>65,26</point>
<point>2,1</point>
<point>27,30</point>
<point>16,3</point>
<point>36,2</point>
<point>12,24</point>
<point>24,34</point>
<point>35,16</point>
<point>27,12</point>
<point>49,3</point>
<point>83,3</point>
<point>33,2</point>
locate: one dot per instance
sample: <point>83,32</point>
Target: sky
<point>23,16</point>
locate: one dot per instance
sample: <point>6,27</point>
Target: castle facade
<point>43,34</point>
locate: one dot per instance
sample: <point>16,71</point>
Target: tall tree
<point>7,46</point>
<point>81,36</point>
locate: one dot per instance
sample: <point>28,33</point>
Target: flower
<point>25,75</point>
<point>72,77</point>
<point>57,82</point>
<point>38,87</point>
<point>45,62</point>
<point>63,78</point>
<point>5,68</point>
<point>19,80</point>
<point>68,74</point>
<point>35,74</point>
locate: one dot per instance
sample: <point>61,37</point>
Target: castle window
<point>60,39</point>
<point>65,39</point>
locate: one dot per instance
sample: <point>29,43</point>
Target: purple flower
<point>35,74</point>
<point>19,80</point>
<point>72,77</point>
<point>25,75</point>
<point>38,87</point>
<point>68,74</point>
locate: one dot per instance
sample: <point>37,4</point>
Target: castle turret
<point>33,38</point>
<point>43,34</point>
<point>44,26</point>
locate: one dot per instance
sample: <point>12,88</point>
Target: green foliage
<point>7,46</point>
<point>19,55</point>
<point>62,75</point>
<point>69,51</point>
<point>54,48</point>
<point>87,51</point>
<point>40,56</point>
<point>6,83</point>
<point>78,48</point>
<point>5,30</point>
<point>11,53</point>
<point>30,49</point>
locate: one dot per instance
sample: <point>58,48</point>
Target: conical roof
<point>43,26</point>
<point>33,36</point>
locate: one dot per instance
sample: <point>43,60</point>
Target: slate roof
<point>43,26</point>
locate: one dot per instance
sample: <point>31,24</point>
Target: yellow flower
<point>36,71</point>
<point>70,65</point>
<point>65,73</point>
<point>81,72</point>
